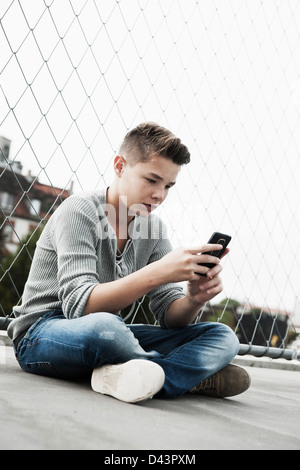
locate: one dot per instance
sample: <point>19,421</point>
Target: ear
<point>119,165</point>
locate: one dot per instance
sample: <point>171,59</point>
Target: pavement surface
<point>41,413</point>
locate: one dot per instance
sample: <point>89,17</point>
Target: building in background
<point>24,201</point>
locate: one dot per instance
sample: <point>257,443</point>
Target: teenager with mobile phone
<point>100,252</point>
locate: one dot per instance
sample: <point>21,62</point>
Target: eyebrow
<point>159,178</point>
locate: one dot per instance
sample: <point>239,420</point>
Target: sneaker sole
<point>131,382</point>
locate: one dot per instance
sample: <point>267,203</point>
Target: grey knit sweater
<point>77,250</point>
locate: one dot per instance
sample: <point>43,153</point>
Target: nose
<point>158,195</point>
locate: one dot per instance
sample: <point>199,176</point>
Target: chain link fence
<point>224,76</point>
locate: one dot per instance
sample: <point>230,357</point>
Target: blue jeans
<point>70,349</point>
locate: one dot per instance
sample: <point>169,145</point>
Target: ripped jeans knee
<point>113,340</point>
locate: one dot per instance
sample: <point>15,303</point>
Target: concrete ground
<point>45,413</point>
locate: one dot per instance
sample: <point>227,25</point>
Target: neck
<point>117,212</point>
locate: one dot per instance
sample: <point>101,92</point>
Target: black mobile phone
<point>219,239</point>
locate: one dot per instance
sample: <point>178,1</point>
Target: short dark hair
<point>149,138</point>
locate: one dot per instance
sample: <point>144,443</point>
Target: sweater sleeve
<point>162,297</point>
<point>74,238</point>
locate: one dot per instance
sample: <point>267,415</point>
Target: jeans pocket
<point>40,368</point>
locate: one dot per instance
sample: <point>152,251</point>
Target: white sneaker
<point>133,381</point>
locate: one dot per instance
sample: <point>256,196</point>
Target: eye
<point>150,180</point>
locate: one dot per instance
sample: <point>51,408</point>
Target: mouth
<point>150,207</point>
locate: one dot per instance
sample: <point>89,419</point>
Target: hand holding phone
<point>219,239</point>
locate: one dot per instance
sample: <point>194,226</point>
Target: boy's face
<point>145,184</point>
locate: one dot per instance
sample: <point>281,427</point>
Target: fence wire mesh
<point>75,75</point>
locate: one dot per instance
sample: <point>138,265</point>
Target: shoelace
<point>207,384</point>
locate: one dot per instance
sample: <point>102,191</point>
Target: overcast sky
<point>222,75</point>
